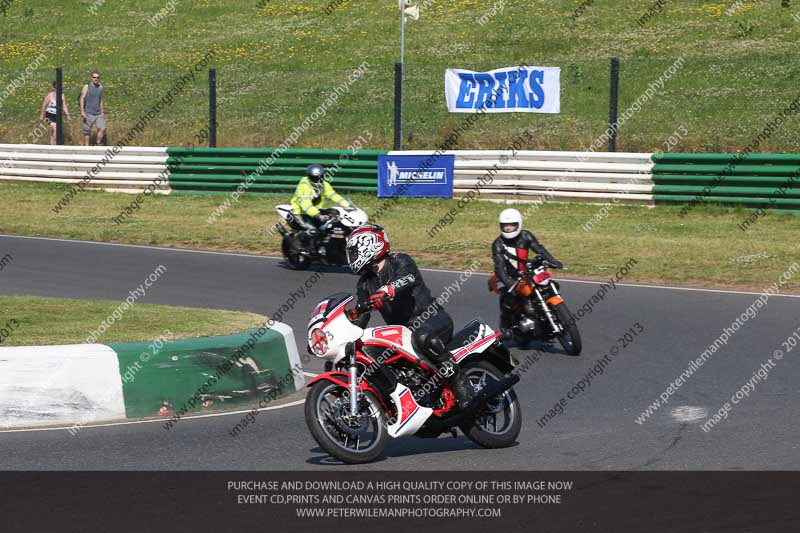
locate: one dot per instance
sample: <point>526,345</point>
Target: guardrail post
<point>212,108</point>
<point>612,104</point>
<point>59,114</point>
<point>398,106</point>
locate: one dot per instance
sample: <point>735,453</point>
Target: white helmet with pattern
<point>510,217</point>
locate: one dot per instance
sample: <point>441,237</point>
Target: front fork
<point>350,351</point>
<point>557,328</point>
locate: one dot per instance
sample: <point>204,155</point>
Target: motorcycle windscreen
<point>324,309</point>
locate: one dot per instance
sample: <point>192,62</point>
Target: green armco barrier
<point>280,182</point>
<point>726,158</point>
<point>271,170</point>
<point>199,186</point>
<point>704,179</point>
<point>755,180</point>
<point>214,170</point>
<point>786,203</point>
<point>169,377</point>
<point>287,178</point>
<point>255,161</point>
<point>728,170</point>
<point>720,190</point>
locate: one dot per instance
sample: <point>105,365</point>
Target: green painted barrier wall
<point>222,170</point>
<point>204,373</point>
<point>752,180</point>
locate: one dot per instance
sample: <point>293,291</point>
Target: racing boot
<point>448,368</point>
<point>506,330</point>
<point>308,234</point>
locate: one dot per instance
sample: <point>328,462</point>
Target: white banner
<point>504,90</point>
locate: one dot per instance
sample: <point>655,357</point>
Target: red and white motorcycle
<point>377,387</point>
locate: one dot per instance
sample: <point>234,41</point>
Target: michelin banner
<point>428,176</point>
<point>505,90</point>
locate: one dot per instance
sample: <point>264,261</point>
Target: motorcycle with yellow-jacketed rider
<point>319,220</point>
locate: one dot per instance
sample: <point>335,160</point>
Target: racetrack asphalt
<point>596,431</point>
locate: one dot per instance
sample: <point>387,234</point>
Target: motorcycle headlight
<point>319,342</point>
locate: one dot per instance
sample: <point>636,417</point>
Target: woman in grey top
<point>92,109</point>
<point>49,111</point>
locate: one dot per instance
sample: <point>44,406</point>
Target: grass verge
<point>705,248</point>
<point>32,320</point>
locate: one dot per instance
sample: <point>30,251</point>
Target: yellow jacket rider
<point>312,196</point>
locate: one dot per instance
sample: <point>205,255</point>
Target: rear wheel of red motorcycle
<point>351,441</point>
<point>498,423</point>
<point>570,339</point>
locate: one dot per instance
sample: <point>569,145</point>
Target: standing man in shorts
<point>92,109</point>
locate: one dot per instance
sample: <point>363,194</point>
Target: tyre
<point>485,430</point>
<point>291,253</point>
<point>570,339</point>
<point>351,440</point>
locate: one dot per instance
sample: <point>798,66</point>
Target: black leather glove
<point>555,263</point>
<point>322,219</point>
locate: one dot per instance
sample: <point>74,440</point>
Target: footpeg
<point>447,370</point>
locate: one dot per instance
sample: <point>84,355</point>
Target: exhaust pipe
<point>494,389</point>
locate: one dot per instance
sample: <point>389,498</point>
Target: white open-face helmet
<point>510,217</point>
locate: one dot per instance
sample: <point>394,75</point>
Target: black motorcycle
<point>541,313</point>
<point>326,244</point>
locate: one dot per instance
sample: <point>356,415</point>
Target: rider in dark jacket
<point>509,251</point>
<point>393,285</point>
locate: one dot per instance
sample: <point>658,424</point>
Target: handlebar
<point>538,259</point>
<point>361,308</point>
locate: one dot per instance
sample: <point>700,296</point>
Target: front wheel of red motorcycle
<point>570,339</point>
<point>351,439</point>
<point>498,423</point>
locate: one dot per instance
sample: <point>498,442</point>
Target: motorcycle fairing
<point>330,317</point>
<point>398,336</point>
<point>410,415</point>
<point>286,211</point>
<point>480,337</point>
<point>352,219</point>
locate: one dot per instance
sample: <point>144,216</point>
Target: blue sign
<point>416,176</point>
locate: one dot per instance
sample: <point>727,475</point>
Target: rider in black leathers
<point>393,284</point>
<point>509,251</point>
